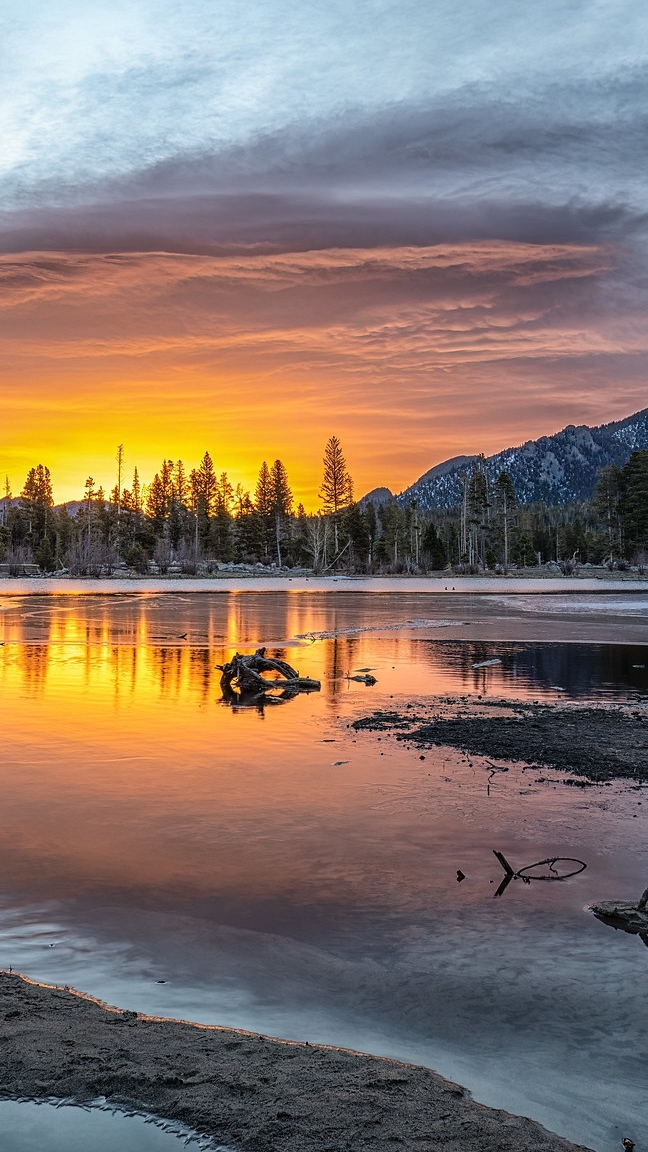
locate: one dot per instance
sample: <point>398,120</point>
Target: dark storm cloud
<point>544,163</point>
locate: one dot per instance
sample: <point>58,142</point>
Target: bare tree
<point>506,504</point>
<point>120,463</point>
<point>317,529</point>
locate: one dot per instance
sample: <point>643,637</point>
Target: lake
<point>277,871</point>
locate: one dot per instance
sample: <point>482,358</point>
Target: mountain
<point>72,506</point>
<point>559,469</point>
<point>376,496</point>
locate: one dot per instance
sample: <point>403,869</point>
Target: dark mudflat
<point>598,744</point>
<point>247,1091</point>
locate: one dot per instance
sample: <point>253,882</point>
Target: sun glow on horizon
<point>409,355</point>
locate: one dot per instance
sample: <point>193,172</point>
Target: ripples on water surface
<point>282,874</point>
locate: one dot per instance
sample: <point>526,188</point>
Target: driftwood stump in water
<point>621,914</point>
<point>243,673</point>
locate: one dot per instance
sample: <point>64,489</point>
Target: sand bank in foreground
<point>247,1091</point>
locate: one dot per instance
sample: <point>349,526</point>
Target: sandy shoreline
<point>247,1091</point>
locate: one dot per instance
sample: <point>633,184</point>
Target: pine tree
<point>475,509</point>
<point>634,503</point>
<point>282,502</point>
<point>357,529</point>
<point>160,495</point>
<point>337,486</point>
<point>88,509</point>
<point>394,533</point>
<point>204,495</point>
<point>249,529</point>
<point>264,504</point>
<point>607,503</point>
<point>180,486</point>
<point>433,547</point>
<point>137,493</point>
<point>204,487</point>
<point>177,504</point>
<point>157,506</point>
<point>37,502</point>
<point>6,503</point>
<point>224,494</point>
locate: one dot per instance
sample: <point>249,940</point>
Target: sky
<point>244,227</point>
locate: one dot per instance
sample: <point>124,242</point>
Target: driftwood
<point>621,914</point>
<point>558,868</point>
<point>243,677</point>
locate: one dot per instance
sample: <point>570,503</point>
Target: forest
<point>196,522</point>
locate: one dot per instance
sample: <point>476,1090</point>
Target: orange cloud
<point>409,354</point>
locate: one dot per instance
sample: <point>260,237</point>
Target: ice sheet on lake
<point>574,605</point>
<point>402,626</point>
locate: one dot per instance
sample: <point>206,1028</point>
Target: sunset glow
<point>231,237</point>
<point>412,354</point>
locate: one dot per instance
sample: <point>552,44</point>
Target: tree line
<point>194,521</point>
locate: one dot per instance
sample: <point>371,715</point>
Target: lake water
<point>276,871</point>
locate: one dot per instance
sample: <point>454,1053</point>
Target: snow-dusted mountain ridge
<point>559,469</point>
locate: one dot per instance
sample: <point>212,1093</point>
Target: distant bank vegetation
<point>195,522</point>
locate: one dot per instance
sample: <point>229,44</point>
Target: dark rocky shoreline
<point>594,743</point>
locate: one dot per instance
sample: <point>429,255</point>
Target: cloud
<point>413,354</point>
<point>379,298</point>
<point>203,129</point>
<point>426,219</point>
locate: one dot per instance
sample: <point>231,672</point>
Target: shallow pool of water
<point>45,1126</point>
<point>273,870</point>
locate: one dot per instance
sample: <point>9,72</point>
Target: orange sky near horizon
<point>410,355</point>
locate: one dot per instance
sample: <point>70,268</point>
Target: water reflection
<point>28,1125</point>
<point>578,670</point>
<point>521,671</point>
<point>291,876</point>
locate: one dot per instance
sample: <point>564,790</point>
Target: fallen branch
<point>511,873</point>
<point>336,558</point>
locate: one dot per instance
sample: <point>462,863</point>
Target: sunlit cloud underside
<point>243,227</point>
